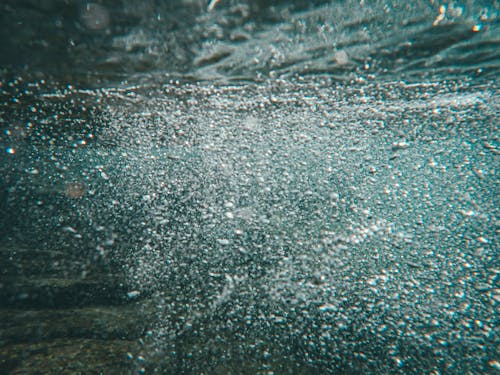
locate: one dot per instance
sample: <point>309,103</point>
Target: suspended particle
<point>95,17</point>
<point>212,4</point>
<point>75,189</point>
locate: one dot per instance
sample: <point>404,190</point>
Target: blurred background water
<point>287,187</point>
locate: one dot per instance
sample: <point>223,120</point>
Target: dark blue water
<point>267,187</point>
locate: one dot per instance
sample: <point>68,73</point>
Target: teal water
<point>292,187</point>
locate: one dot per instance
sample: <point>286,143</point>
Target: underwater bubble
<point>133,294</point>
<point>223,241</point>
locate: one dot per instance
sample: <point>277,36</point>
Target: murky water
<point>267,187</point>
